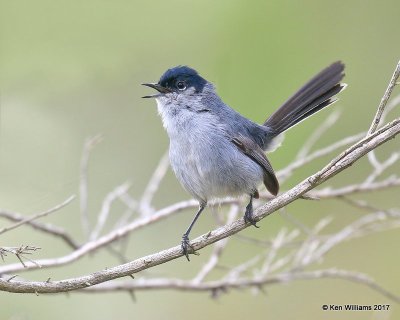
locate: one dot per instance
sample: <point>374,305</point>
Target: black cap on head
<point>173,77</point>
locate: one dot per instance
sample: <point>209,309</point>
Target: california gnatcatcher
<point>216,152</point>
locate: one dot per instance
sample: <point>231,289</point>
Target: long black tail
<point>311,98</point>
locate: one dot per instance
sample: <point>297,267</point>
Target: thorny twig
<point>20,252</point>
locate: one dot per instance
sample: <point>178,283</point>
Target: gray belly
<point>213,167</point>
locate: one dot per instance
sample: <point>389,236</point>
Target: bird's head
<point>178,82</point>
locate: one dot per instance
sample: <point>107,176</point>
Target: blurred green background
<point>70,69</point>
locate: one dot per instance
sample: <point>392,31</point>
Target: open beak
<point>158,87</point>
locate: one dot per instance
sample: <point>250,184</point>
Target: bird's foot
<point>248,215</point>
<point>186,246</point>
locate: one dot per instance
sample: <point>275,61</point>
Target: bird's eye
<point>181,85</point>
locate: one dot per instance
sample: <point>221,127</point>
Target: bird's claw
<point>248,216</point>
<point>186,247</point>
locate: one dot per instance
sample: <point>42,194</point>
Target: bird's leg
<point>248,215</point>
<point>185,244</point>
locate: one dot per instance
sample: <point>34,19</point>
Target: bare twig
<point>38,215</point>
<point>43,227</point>
<point>105,240</point>
<point>316,135</point>
<point>393,103</point>
<point>106,207</point>
<point>90,143</point>
<point>385,99</point>
<point>380,167</point>
<point>237,271</point>
<point>222,285</point>
<point>238,283</point>
<point>131,204</point>
<point>153,185</point>
<point>326,193</point>
<point>287,171</point>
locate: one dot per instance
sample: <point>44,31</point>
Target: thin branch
<point>359,149</point>
<point>237,271</point>
<point>288,170</point>
<point>361,204</point>
<point>145,203</point>
<point>90,143</point>
<point>344,234</point>
<point>239,283</point>
<point>385,98</point>
<point>380,167</point>
<point>277,244</point>
<point>108,238</point>
<point>43,227</point>
<point>131,205</point>
<point>355,188</point>
<point>393,103</point>
<point>106,208</point>
<point>38,215</point>
<point>316,135</point>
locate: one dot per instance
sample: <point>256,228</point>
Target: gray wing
<point>254,152</point>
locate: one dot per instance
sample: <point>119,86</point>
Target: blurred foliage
<point>70,69</point>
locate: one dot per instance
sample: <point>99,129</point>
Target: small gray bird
<point>216,152</point>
